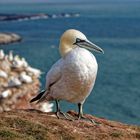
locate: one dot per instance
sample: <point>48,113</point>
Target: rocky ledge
<point>6,38</point>
<point>36,125</point>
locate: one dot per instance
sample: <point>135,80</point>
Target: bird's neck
<point>64,49</point>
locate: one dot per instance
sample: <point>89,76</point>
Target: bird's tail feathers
<point>39,97</point>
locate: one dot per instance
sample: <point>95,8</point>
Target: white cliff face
<point>18,83</point>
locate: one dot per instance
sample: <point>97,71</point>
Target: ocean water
<point>115,27</point>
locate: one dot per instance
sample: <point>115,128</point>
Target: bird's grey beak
<point>89,45</point>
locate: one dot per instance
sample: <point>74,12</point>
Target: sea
<point>112,25</point>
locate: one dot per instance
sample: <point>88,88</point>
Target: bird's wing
<point>54,74</point>
<point>38,97</point>
<point>52,77</point>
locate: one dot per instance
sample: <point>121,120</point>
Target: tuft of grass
<point>116,134</point>
<point>24,129</point>
<point>7,134</point>
<point>137,129</point>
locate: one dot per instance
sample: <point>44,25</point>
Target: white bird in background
<point>10,56</point>
<point>14,82</point>
<point>73,76</point>
<point>3,74</point>
<point>19,62</point>
<point>6,93</point>
<point>25,78</point>
<point>2,54</point>
<point>46,107</point>
<point>34,71</point>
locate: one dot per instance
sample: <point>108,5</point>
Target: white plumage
<point>25,78</point>
<point>14,82</point>
<point>19,62</point>
<point>2,54</point>
<point>73,76</point>
<point>46,107</point>
<point>6,93</point>
<point>3,74</point>
<point>34,71</point>
<point>10,56</point>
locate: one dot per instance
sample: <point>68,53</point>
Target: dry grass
<point>34,125</point>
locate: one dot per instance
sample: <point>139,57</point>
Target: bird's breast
<point>79,73</point>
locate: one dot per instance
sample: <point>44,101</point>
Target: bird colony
<point>19,82</point>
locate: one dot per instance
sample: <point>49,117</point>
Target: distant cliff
<point>35,125</point>
<point>22,17</point>
<point>6,38</point>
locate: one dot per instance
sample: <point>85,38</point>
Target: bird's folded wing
<point>54,74</point>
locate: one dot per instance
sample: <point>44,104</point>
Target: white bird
<point>24,62</point>
<point>6,93</point>
<point>2,54</point>
<point>25,78</point>
<point>34,71</point>
<point>3,74</point>
<point>14,82</point>
<point>73,76</point>
<point>10,56</point>
<point>46,107</point>
<point>19,62</point>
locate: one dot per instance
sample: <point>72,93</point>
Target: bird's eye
<point>78,40</point>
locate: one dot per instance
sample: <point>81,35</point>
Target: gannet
<point>10,56</point>
<point>6,93</point>
<point>73,76</point>
<point>25,78</point>
<point>3,74</point>
<point>19,62</point>
<point>14,82</point>
<point>46,107</point>
<point>2,54</point>
<point>33,71</point>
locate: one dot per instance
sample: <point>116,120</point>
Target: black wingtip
<point>34,99</point>
<point>38,96</point>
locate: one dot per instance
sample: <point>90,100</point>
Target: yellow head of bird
<point>73,38</point>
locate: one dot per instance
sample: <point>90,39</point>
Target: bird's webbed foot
<point>87,119</point>
<point>62,115</point>
<point>82,117</point>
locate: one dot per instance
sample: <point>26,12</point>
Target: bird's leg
<point>80,114</point>
<point>58,111</point>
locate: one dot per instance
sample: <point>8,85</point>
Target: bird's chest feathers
<point>81,65</point>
